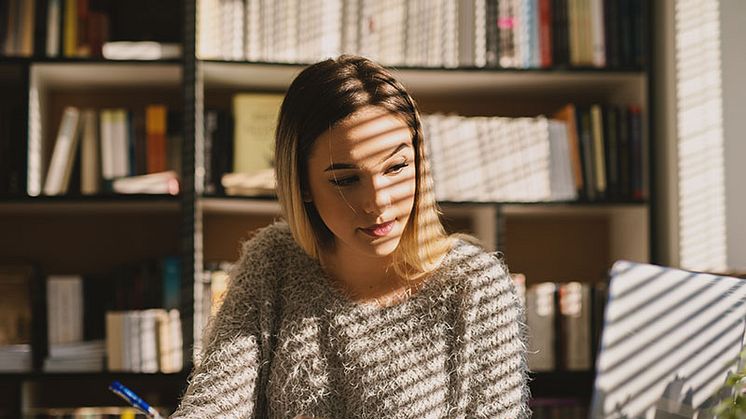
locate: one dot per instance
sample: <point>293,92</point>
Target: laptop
<point>670,338</point>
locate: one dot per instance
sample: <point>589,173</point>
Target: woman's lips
<point>379,230</point>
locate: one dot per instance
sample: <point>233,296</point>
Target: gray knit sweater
<point>286,342</point>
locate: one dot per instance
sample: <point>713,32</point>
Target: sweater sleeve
<point>495,337</point>
<point>226,381</point>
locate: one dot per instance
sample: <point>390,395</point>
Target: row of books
<point>68,312</point>
<point>578,33</point>
<point>427,33</point>
<point>499,159</point>
<point>590,153</point>
<point>564,323</point>
<point>112,145</point>
<point>89,28</point>
<point>239,146</point>
<point>609,151</point>
<point>145,341</point>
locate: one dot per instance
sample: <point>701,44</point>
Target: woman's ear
<point>307,196</point>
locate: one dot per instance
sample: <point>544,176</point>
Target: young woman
<point>358,305</point>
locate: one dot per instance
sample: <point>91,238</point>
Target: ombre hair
<point>321,96</point>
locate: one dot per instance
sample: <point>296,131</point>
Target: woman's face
<point>362,177</point>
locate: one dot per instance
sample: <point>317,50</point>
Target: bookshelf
<point>557,241</point>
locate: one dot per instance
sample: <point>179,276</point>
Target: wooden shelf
<point>240,205</point>
<point>105,74</point>
<point>103,376</point>
<point>439,81</point>
<point>128,204</point>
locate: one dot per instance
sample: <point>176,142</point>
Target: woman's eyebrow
<point>342,166</point>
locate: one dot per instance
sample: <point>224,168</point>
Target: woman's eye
<point>397,168</point>
<point>345,181</point>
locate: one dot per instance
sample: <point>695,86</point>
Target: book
<point>568,115</point>
<point>162,183</point>
<point>155,131</point>
<point>90,156</point>
<point>140,50</point>
<point>15,305</point>
<point>64,153</point>
<point>599,144</point>
<point>64,309</point>
<point>255,116</point>
<point>540,319</point>
<point>575,311</point>
<point>258,183</point>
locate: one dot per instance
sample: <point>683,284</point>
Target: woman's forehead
<point>369,134</point>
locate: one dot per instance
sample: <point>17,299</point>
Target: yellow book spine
<point>71,28</point>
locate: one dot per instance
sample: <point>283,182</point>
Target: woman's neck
<point>364,278</point>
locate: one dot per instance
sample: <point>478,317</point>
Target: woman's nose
<point>378,197</point>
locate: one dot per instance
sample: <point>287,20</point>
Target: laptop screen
<point>670,338</point>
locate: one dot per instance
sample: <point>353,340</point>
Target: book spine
<point>155,128</point>
<point>63,153</point>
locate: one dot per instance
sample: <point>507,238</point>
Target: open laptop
<point>670,338</point>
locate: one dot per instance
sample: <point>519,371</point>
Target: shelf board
<point>90,204</point>
<point>572,208</point>
<point>104,375</point>
<point>97,74</point>
<point>240,205</point>
<point>269,206</point>
<point>437,81</point>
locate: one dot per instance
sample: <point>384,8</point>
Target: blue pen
<point>130,397</point>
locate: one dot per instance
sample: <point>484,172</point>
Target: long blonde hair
<point>322,95</point>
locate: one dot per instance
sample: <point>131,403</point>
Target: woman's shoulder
<point>469,258</point>
<point>268,249</point>
<point>477,271</point>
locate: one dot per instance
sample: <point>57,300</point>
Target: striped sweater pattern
<point>288,343</point>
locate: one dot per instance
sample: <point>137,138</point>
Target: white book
<point>106,128</point>
<point>480,33</point>
<point>176,353</point>
<point>286,31</point>
<point>416,33</point>
<point>562,184</point>
<point>80,349</point>
<point>598,33</point>
<point>63,155</point>
<point>131,342</point>
<point>64,308</point>
<point>120,142</point>
<point>540,312</point>
<point>208,29</point>
<point>350,26</point>
<point>149,340</point>
<point>238,32</point>
<point>161,183</point>
<point>90,157</point>
<point>53,28</point>
<point>253,41</point>
<point>164,343</point>
<point>449,35</point>
<point>575,307</point>
<point>267,31</point>
<point>114,340</point>
<point>140,50</point>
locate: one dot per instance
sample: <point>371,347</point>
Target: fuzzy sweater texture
<point>287,342</point>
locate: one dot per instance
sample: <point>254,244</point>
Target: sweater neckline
<point>433,282</point>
